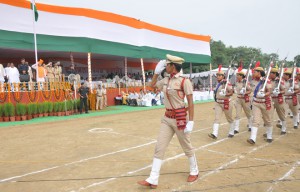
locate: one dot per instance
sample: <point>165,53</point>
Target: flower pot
<point>23,117</point>
<point>1,119</point>
<point>51,114</point>
<point>58,113</point>
<point>45,114</point>
<point>17,118</point>
<point>41,115</point>
<point>29,117</point>
<point>12,118</point>
<point>35,115</point>
<point>5,119</point>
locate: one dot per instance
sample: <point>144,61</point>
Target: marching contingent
<point>275,89</point>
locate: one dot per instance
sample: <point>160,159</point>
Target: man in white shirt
<point>13,76</point>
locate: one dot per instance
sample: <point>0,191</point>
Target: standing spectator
<point>83,94</point>
<point>50,72</point>
<point>104,96</point>
<point>99,94</point>
<point>23,66</point>
<point>13,76</point>
<point>6,69</point>
<point>41,72</point>
<point>2,74</point>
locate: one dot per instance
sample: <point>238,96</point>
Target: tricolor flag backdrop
<point>87,30</point>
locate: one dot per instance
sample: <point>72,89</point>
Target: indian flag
<point>33,7</point>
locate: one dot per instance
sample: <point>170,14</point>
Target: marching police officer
<point>222,95</point>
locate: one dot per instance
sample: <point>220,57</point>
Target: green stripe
<point>18,40</point>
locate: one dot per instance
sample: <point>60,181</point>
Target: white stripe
<point>287,174</point>
<point>75,162</point>
<point>78,26</point>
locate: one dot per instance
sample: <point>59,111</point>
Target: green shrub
<point>9,110</point>
<point>18,108</point>
<point>50,107</point>
<point>40,108</point>
<point>61,106</point>
<point>46,107</point>
<point>34,108</point>
<point>30,108</point>
<point>56,106</point>
<point>23,109</point>
<point>1,110</point>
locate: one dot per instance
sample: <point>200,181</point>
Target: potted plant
<point>5,112</point>
<point>34,110</point>
<point>1,113</point>
<point>23,111</point>
<point>18,111</point>
<point>10,111</point>
<point>29,111</point>
<point>66,108</point>
<point>40,109</point>
<point>55,108</point>
<point>50,108</point>
<point>45,109</point>
<point>61,108</point>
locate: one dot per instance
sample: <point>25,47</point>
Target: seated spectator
<point>124,98</point>
<point>156,99</point>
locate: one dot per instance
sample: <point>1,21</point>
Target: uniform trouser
<point>167,129</point>
<point>99,103</point>
<point>219,108</point>
<point>105,101</point>
<point>259,110</point>
<point>241,104</point>
<point>83,101</point>
<point>280,109</point>
<point>293,108</point>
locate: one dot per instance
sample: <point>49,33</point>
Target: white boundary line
<point>287,174</point>
<point>75,162</point>
<point>149,166</point>
<point>87,159</point>
<point>228,163</point>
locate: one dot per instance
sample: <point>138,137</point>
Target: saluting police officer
<point>291,89</point>
<point>223,104</point>
<point>242,101</point>
<point>261,105</point>
<point>277,98</point>
<point>175,88</point>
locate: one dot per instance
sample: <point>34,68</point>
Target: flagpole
<point>34,35</point>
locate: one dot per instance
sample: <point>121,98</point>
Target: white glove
<point>161,65</point>
<point>261,94</point>
<point>291,90</point>
<point>275,92</point>
<point>243,91</point>
<point>189,127</point>
<point>222,92</point>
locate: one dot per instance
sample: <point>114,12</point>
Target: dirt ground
<point>112,153</point>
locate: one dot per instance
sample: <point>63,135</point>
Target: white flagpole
<point>35,44</point>
<point>143,73</point>
<point>90,71</point>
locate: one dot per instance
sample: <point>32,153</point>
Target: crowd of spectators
<point>143,98</point>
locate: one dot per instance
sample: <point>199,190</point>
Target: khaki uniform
<point>292,105</point>
<point>223,104</point>
<point>278,104</point>
<point>56,74</point>
<point>104,97</point>
<point>50,73</point>
<point>260,110</point>
<point>168,127</point>
<point>99,94</point>
<point>242,103</point>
